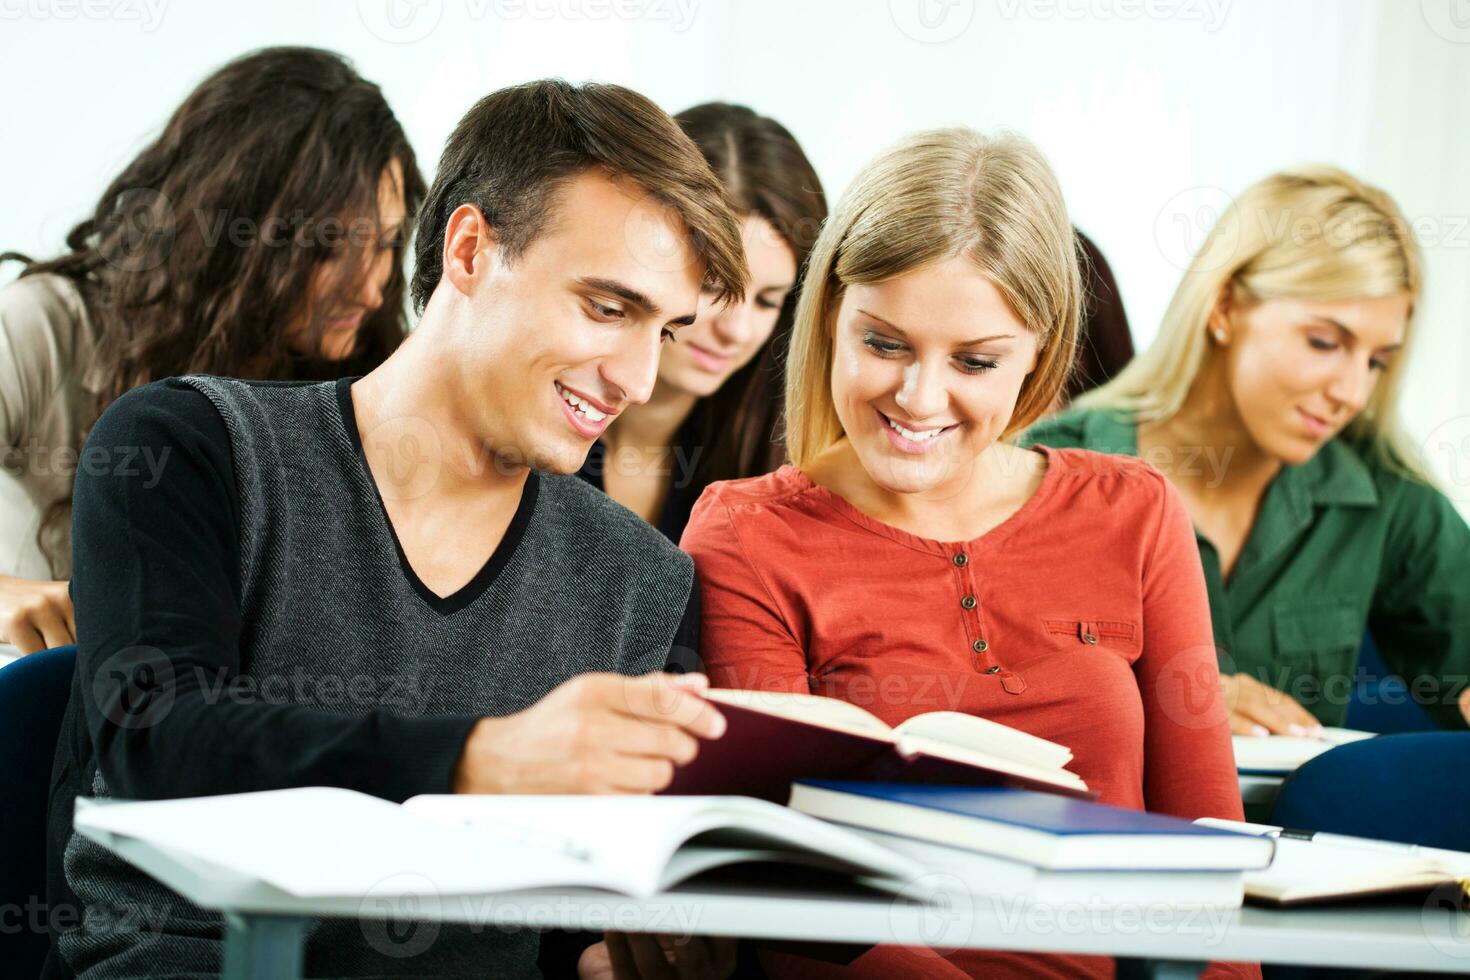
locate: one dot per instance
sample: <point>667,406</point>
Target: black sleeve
<point>683,655</point>
<point>157,593</point>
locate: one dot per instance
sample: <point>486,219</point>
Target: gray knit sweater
<point>291,576</point>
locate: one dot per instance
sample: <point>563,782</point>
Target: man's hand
<point>597,733</point>
<point>1258,709</point>
<point>35,616</point>
<point>634,956</point>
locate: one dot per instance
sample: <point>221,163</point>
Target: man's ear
<point>469,247</point>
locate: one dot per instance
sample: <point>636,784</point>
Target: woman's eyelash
<point>889,348</point>
<point>881,347</point>
<point>1318,343</point>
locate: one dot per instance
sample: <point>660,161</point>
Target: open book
<point>1280,754</point>
<point>1312,868</point>
<point>319,842</point>
<point>777,737</point>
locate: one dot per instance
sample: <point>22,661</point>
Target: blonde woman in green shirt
<point>1270,400</point>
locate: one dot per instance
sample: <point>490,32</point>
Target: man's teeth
<point>913,436</point>
<point>583,409</point>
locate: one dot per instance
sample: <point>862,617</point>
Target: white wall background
<point>1151,110</point>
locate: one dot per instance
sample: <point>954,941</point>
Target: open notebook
<point>1330,868</point>
<point>777,737</point>
<point>318,842</point>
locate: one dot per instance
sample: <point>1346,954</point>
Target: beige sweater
<point>48,396</point>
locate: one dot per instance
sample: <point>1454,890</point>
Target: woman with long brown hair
<point>715,407</point>
<point>257,236</point>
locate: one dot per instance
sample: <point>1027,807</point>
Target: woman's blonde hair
<point>935,195</point>
<point>1313,233</point>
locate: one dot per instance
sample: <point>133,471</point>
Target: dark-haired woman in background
<point>715,407</point>
<point>258,236</point>
<point>1104,344</point>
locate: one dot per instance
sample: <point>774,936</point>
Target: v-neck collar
<point>476,586</point>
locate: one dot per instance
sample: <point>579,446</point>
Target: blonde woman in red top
<point>909,560</point>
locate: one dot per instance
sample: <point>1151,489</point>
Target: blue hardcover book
<point>1041,829</point>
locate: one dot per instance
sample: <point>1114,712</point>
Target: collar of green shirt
<point>1336,476</point>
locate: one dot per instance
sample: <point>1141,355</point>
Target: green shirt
<point>1340,544</point>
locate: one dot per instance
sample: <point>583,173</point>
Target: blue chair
<point>1381,702</point>
<point>33,696</point>
<point>1413,788</point>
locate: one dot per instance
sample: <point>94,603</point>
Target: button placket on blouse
<point>980,655</point>
<point>970,612</point>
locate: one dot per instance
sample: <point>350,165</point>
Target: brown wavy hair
<point>202,251</point>
<point>765,173</point>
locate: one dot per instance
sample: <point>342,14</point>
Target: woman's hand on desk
<point>35,616</point>
<point>596,733</point>
<point>1259,709</point>
<point>634,956</point>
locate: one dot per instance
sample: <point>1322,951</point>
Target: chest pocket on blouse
<point>1111,634</point>
<point>1316,637</point>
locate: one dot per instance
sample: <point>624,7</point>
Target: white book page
<point>985,760</point>
<point>1286,753</point>
<point>1313,867</point>
<point>323,842</point>
<point>631,838</point>
<point>637,839</point>
<point>811,708</point>
<point>967,731</point>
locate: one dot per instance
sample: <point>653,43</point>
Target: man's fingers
<point>669,699</point>
<point>693,958</point>
<point>640,774</point>
<point>648,955</point>
<point>630,736</point>
<point>624,967</point>
<point>595,963</point>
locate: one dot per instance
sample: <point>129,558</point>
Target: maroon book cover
<point>761,754</point>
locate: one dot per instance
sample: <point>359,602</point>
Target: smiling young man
<point>389,584</point>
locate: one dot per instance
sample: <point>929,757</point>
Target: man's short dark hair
<point>515,148</point>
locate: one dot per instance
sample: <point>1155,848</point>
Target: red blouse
<point>1082,619</point>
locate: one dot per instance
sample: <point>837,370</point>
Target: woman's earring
<point>1219,336</point>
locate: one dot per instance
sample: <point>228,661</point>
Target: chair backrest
<point>33,696</point>
<point>1413,788</point>
<point>1381,701</point>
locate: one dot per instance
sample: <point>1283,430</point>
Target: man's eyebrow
<point>624,292</point>
<point>968,343</point>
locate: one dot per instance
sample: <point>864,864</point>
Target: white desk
<point>265,928</point>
